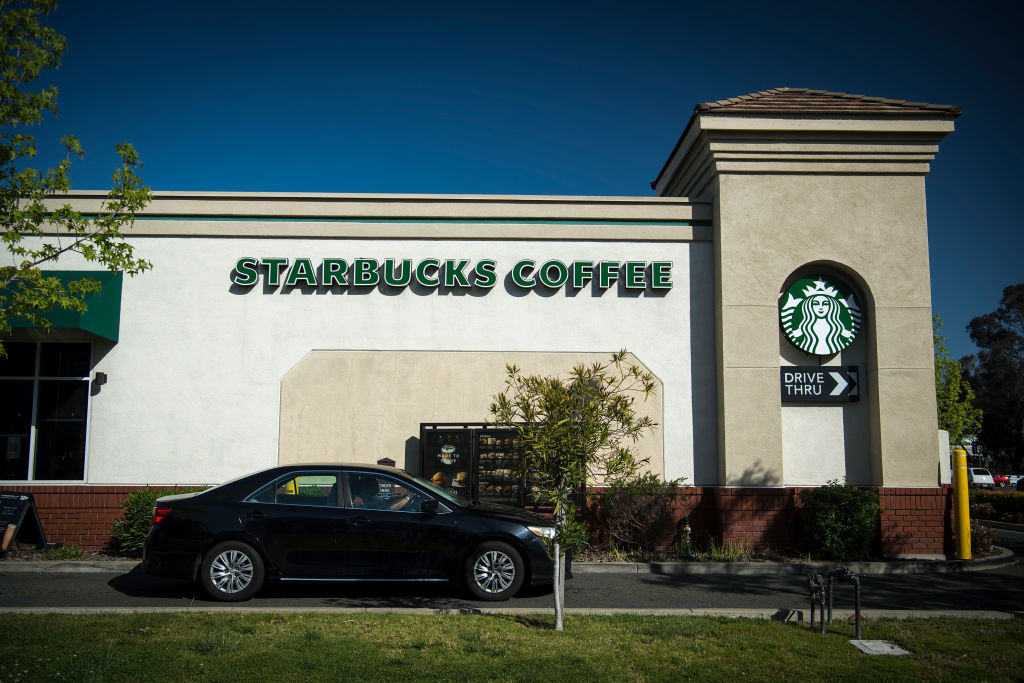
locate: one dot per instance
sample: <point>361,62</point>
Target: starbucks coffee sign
<point>820,315</point>
<point>450,273</point>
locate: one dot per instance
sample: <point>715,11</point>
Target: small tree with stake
<point>574,430</point>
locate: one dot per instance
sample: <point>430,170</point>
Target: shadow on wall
<point>412,456</point>
<point>756,475</point>
<point>703,369</point>
<point>768,518</point>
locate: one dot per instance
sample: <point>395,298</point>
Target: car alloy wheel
<point>232,571</point>
<point>494,571</point>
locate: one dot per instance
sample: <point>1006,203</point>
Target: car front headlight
<point>543,531</point>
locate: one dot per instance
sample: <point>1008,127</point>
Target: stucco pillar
<point>806,177</point>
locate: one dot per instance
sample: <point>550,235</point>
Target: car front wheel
<point>494,571</point>
<point>231,571</point>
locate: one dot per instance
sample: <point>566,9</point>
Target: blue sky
<point>533,97</point>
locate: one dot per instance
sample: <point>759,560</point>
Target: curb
<point>770,614</point>
<point>1003,558</point>
<point>1002,525</point>
<point>64,567</point>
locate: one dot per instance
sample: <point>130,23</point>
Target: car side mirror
<point>430,506</point>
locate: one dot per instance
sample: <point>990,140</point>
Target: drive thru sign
<point>820,384</point>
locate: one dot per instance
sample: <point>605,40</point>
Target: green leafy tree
<point>996,373</point>
<point>573,431</point>
<point>954,396</point>
<point>35,233</point>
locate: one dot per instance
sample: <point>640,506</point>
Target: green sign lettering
<point>302,269</point>
<point>364,272</point>
<point>246,273</point>
<point>421,272</point>
<point>453,275</point>
<point>485,276</point>
<point>449,273</point>
<point>274,266</point>
<point>333,272</point>
<point>518,275</point>
<point>400,279</point>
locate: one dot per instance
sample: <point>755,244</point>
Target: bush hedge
<point>983,539</point>
<point>999,506</point>
<point>840,522</point>
<point>133,526</point>
<point>639,512</point>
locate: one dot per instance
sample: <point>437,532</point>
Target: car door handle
<point>359,521</point>
<point>255,514</point>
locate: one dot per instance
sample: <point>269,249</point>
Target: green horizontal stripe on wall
<point>464,221</point>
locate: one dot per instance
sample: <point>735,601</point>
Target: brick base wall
<point>915,521</point>
<point>79,515</point>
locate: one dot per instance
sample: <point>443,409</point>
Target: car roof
<point>230,488</point>
<point>334,465</point>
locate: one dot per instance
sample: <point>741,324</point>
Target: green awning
<point>103,317</point>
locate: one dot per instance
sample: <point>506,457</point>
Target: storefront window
<point>44,397</point>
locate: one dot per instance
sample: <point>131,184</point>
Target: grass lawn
<point>378,647</point>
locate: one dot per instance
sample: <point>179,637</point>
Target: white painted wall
<point>193,394</point>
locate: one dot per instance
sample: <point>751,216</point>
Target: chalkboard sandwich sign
<point>19,521</point>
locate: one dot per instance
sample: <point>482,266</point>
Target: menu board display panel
<point>498,479</point>
<point>448,460</point>
<point>473,461</point>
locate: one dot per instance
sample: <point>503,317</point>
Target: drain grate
<point>878,647</point>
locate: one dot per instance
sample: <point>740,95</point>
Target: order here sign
<point>820,384</point>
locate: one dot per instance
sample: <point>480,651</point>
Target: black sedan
<point>344,523</point>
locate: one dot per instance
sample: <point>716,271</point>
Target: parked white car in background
<point>982,478</point>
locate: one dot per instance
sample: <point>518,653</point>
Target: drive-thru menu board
<point>473,461</point>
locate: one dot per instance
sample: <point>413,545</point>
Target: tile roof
<point>802,101</point>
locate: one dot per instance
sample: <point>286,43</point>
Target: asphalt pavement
<point>983,588</point>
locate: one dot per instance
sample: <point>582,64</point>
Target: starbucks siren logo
<point>820,316</point>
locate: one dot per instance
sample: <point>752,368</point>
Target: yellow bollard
<point>961,505</point>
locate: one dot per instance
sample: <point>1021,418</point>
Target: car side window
<point>381,492</point>
<point>317,489</point>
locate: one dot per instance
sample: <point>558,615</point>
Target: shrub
<point>133,526</point>
<point>64,552</point>
<point>730,551</point>
<point>56,552</point>
<point>983,539</point>
<point>840,522</point>
<point>638,512</point>
<point>983,511</point>
<point>1001,506</point>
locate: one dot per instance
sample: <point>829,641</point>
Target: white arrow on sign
<point>841,383</point>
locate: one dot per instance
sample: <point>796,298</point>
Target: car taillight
<point>159,512</point>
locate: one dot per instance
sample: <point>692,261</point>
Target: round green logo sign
<point>820,315</point>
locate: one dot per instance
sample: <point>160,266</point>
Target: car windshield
<point>441,493</point>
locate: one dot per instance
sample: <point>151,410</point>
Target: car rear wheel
<point>231,571</point>
<point>494,571</point>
